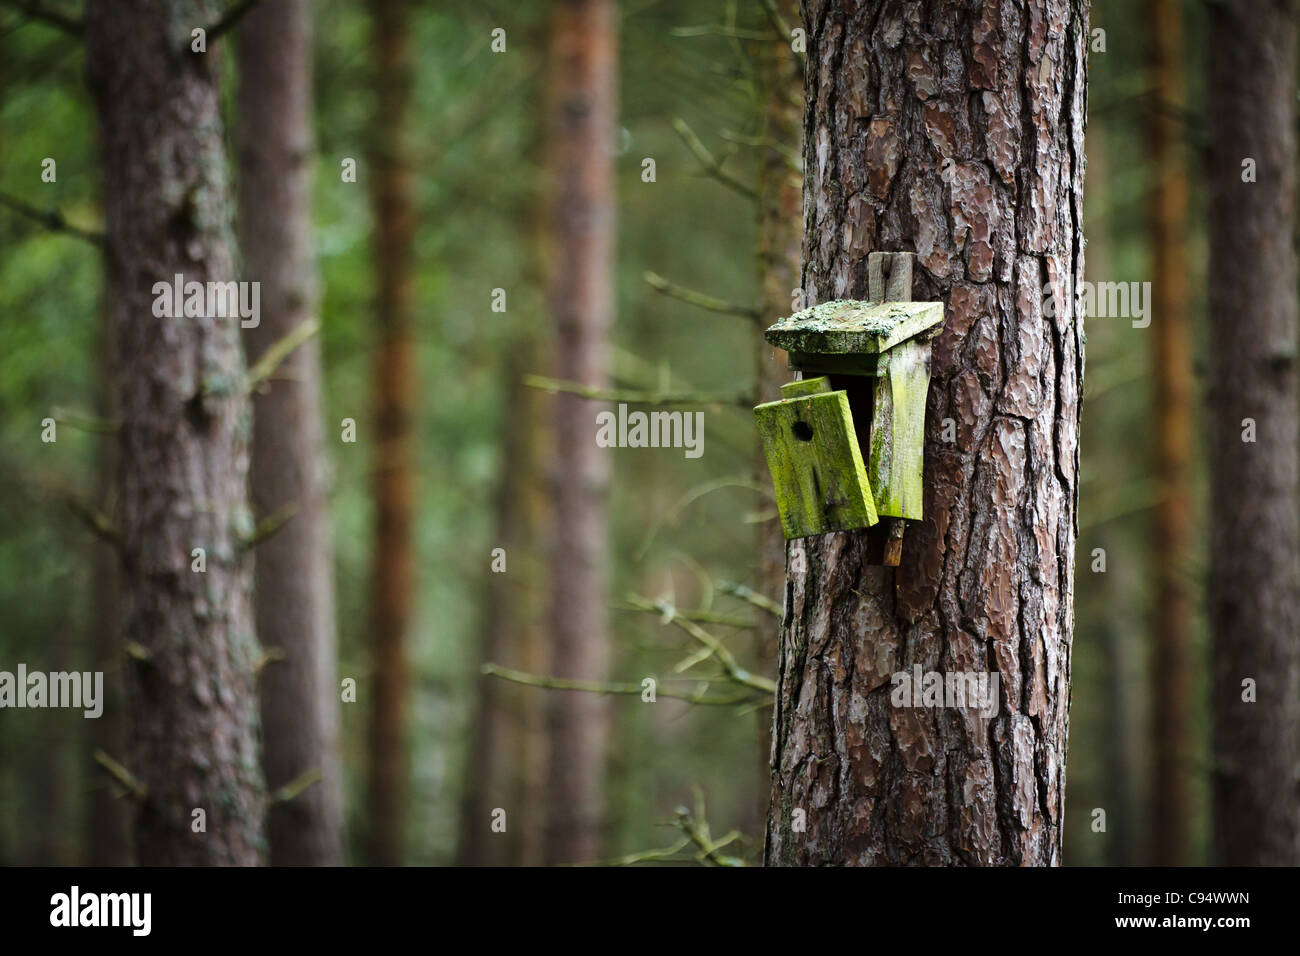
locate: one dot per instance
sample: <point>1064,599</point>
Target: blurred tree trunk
<point>581,141</point>
<point>1118,655</point>
<point>1170,811</point>
<point>108,816</point>
<point>500,755</point>
<point>293,597</point>
<point>392,581</point>
<point>780,241</point>
<point>1254,547</point>
<point>979,171</point>
<point>183,464</point>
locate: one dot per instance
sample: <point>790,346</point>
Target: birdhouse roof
<point>846,326</point>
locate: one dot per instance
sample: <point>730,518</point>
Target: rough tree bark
<point>392,596</point>
<point>954,130</point>
<point>1254,528</point>
<point>583,77</point>
<point>183,467</point>
<point>1171,359</point>
<point>294,596</point>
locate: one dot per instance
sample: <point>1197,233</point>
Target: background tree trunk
<point>184,457</point>
<point>582,117</point>
<point>392,583</point>
<point>780,241</point>
<point>294,594</point>
<point>955,131</point>
<point>1171,360</point>
<point>108,817</point>
<point>501,752</point>
<point>1255,531</point>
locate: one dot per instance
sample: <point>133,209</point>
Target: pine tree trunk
<point>583,45</point>
<point>1255,531</point>
<point>294,597</point>
<point>1171,359</point>
<point>392,601</point>
<point>955,131</point>
<point>184,447</point>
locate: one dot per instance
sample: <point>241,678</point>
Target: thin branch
<point>633,397</point>
<point>735,673</point>
<point>270,524</point>
<point>230,18</point>
<point>710,164</point>
<point>783,29</point>
<point>718,30</point>
<point>85,423</point>
<point>51,219</point>
<point>703,617</point>
<point>751,596</point>
<point>277,352</point>
<point>94,519</point>
<point>53,18</point>
<point>118,772</point>
<point>698,696</point>
<point>698,299</point>
<point>294,787</point>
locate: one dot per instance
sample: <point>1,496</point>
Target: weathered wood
<point>849,326</point>
<point>806,386</point>
<point>817,470</point>
<point>889,276</point>
<point>898,431</point>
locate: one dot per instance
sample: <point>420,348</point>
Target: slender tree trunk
<point>583,51</point>
<point>955,131</point>
<point>393,593</point>
<point>1119,655</point>
<point>498,756</point>
<point>1254,528</point>
<point>780,240</point>
<point>294,596</point>
<point>109,822</point>
<point>183,469</point>
<point>1170,812</point>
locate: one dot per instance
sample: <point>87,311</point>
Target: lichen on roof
<point>848,325</point>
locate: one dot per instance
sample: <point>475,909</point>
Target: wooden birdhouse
<point>867,372</point>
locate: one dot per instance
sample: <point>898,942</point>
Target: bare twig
<point>710,164</point>
<point>130,783</point>
<point>750,596</point>
<point>277,352</point>
<point>95,520</point>
<point>49,17</point>
<point>86,423</point>
<point>734,672</point>
<point>698,299</point>
<point>634,397</point>
<point>697,696</point>
<point>51,219</point>
<point>230,18</point>
<point>294,787</point>
<point>270,524</point>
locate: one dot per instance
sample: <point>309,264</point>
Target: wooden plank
<point>805,386</point>
<point>889,276</point>
<point>850,327</point>
<point>898,431</point>
<point>817,469</point>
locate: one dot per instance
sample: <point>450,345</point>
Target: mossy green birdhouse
<point>867,372</point>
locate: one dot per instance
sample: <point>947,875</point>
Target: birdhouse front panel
<point>817,468</point>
